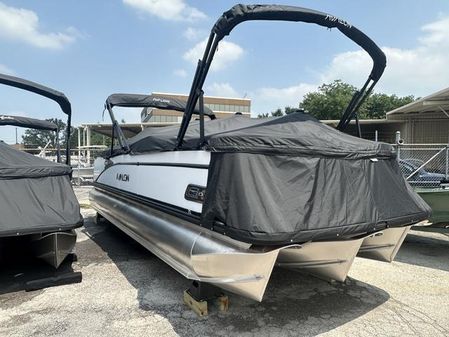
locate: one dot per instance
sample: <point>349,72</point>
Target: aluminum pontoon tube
<point>384,245</point>
<point>54,247</point>
<point>193,251</point>
<point>200,254</point>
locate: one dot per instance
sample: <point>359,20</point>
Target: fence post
<point>447,162</point>
<point>398,141</point>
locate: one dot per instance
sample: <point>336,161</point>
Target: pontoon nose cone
<point>384,246</point>
<point>330,260</point>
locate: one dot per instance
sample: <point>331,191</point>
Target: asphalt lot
<point>127,291</point>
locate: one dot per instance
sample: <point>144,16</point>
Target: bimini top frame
<point>146,101</point>
<point>26,122</point>
<point>240,13</point>
<point>52,94</point>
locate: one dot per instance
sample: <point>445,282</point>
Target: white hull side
<point>160,176</point>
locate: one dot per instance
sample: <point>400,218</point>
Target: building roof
<point>436,102</point>
<point>334,122</point>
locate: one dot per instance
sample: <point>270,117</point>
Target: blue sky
<point>90,49</point>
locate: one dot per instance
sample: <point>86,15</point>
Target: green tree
<point>36,138</point>
<point>278,112</point>
<point>99,139</point>
<point>288,110</point>
<point>377,105</point>
<point>39,138</point>
<point>330,101</point>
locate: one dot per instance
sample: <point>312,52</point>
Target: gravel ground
<point>127,291</point>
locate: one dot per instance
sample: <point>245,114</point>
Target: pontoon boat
<point>223,201</point>
<point>36,197</point>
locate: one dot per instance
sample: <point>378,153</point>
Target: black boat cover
<point>152,101</point>
<point>294,179</point>
<point>35,195</point>
<point>39,89</point>
<point>26,122</point>
<point>240,13</point>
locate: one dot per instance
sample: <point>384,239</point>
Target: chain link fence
<point>424,165</point>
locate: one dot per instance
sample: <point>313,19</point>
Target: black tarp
<point>26,122</point>
<point>294,179</point>
<point>152,101</point>
<point>35,195</point>
<point>164,138</point>
<point>39,89</point>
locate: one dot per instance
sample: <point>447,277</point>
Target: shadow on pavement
<point>298,303</point>
<point>19,266</point>
<point>425,249</point>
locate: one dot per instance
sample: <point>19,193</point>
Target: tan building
<point>222,107</point>
<point>424,121</point>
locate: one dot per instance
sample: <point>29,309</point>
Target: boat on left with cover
<point>37,201</point>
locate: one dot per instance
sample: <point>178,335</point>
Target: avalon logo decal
<point>122,177</point>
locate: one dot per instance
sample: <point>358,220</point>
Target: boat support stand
<point>200,295</point>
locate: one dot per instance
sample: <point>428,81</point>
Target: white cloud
<point>180,72</point>
<point>193,34</point>
<point>6,70</point>
<point>419,71</point>
<point>226,54</point>
<point>172,10</point>
<point>222,89</point>
<point>269,99</point>
<point>21,24</point>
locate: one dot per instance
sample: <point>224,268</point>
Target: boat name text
<point>340,21</point>
<point>122,176</point>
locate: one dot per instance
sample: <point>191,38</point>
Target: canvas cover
<point>26,122</point>
<point>152,101</point>
<point>294,179</point>
<point>240,13</point>
<point>35,195</point>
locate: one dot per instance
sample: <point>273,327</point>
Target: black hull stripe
<point>197,166</point>
<point>179,212</point>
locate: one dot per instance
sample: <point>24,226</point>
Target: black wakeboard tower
<point>146,101</point>
<point>52,94</point>
<point>240,13</point>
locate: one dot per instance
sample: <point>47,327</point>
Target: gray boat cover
<point>294,179</point>
<point>26,122</point>
<point>35,195</point>
<point>152,101</point>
